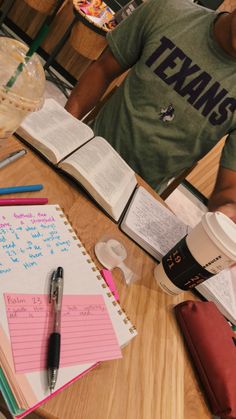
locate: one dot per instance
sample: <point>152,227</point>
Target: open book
<point>70,145</point>
<point>221,289</point>
<point>150,224</point>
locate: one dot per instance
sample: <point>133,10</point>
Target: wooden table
<point>155,379</point>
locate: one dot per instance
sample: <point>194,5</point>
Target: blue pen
<point>15,189</point>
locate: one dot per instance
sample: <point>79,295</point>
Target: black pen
<point>56,293</point>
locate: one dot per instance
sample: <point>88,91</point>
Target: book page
<point>101,170</point>
<point>54,131</point>
<point>221,289</point>
<point>150,222</point>
<point>186,206</point>
<point>86,330</point>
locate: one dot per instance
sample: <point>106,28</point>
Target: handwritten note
<point>87,334</point>
<point>152,223</point>
<point>27,236</point>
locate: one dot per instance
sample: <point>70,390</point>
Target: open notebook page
<point>151,224</point>
<point>34,240</point>
<point>106,176</point>
<point>221,289</point>
<point>53,128</point>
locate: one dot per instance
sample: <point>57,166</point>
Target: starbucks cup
<point>27,93</point>
<point>208,249</point>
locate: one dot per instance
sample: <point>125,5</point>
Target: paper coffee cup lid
<point>222,230</point>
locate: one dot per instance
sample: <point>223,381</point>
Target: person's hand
<point>223,197</point>
<point>229,210</point>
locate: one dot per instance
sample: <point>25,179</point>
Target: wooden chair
<point>5,9</point>
<point>87,38</point>
<point>203,176</point>
<point>42,6</point>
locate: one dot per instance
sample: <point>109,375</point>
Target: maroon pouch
<point>211,343</point>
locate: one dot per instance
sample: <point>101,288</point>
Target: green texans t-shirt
<point>178,99</point>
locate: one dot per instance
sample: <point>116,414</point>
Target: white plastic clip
<point>111,254</point>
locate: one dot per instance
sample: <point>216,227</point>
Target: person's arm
<point>223,197</point>
<point>93,84</point>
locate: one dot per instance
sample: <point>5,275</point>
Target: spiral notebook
<point>33,241</point>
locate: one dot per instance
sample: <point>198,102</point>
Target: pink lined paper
<point>87,334</point>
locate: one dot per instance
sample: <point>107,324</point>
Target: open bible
<point>152,225</point>
<point>70,145</point>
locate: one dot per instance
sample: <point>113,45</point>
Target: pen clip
<point>53,292</point>
<point>56,286</point>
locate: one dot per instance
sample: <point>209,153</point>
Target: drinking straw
<point>35,44</point>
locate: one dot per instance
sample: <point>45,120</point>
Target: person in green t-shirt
<point>179,97</point>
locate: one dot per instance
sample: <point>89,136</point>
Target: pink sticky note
<point>107,275</point>
<point>87,333</point>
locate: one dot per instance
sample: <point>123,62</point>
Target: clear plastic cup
<point>27,93</point>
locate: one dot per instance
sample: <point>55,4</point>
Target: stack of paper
<point>33,242</point>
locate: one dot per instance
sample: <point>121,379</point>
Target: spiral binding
<point>75,236</point>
